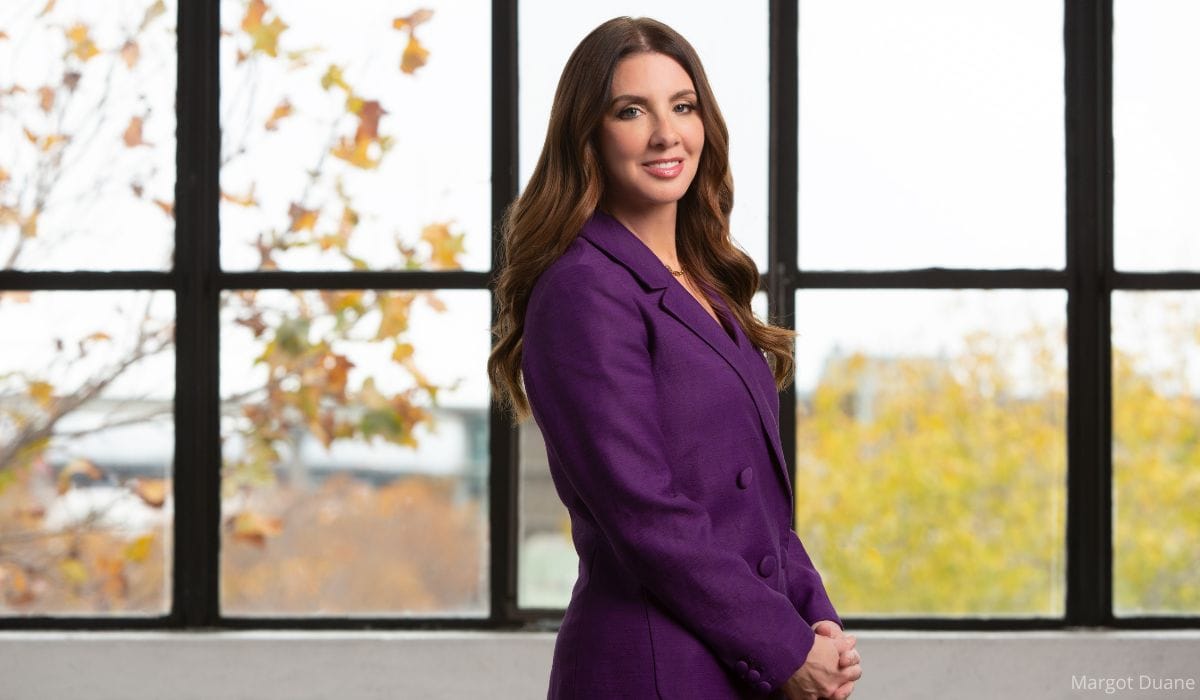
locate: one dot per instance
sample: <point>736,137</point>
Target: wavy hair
<point>567,185</point>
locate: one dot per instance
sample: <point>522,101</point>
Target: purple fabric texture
<point>662,432</point>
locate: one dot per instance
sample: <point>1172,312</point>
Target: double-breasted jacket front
<point>661,428</point>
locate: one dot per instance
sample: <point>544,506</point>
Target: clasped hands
<point>832,666</point>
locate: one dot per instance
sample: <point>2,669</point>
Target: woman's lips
<point>664,170</point>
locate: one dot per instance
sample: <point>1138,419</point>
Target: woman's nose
<point>664,133</point>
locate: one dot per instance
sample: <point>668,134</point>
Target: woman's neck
<point>653,226</point>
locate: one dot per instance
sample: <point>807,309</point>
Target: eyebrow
<point>639,98</point>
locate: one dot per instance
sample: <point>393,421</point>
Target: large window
<point>245,256</point>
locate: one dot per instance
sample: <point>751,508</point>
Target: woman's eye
<point>690,107</point>
<point>622,113</point>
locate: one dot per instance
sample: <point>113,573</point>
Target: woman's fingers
<point>849,658</point>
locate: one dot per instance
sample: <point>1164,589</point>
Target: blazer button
<point>742,667</point>
<point>764,686</point>
<point>766,566</point>
<point>744,477</point>
<point>753,675</point>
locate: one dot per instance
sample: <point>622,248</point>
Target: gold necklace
<point>678,273</point>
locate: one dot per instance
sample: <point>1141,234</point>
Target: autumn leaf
<point>253,528</point>
<point>414,56</point>
<point>139,549</point>
<point>46,98</point>
<point>402,352</point>
<point>446,246</point>
<point>246,200</point>
<point>29,225</point>
<point>133,133</point>
<point>255,323</point>
<point>301,219</point>
<point>412,21</point>
<point>393,312</point>
<point>333,76</point>
<point>42,393</point>
<point>369,113</point>
<point>153,492</point>
<point>130,53</point>
<point>283,109</point>
<point>73,571</point>
<point>355,152</point>
<point>156,10</point>
<point>46,10</point>
<point>82,46</point>
<point>265,37</point>
<point>79,465</point>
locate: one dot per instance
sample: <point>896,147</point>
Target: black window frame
<point>1089,278</point>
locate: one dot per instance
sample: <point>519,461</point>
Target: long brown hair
<point>568,184</point>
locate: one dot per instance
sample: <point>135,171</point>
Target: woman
<point>625,309</point>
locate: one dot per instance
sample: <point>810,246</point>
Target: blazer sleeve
<point>805,587</point>
<point>588,374</point>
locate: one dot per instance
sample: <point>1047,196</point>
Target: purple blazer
<point>662,432</point>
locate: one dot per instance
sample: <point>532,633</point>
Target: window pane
<point>550,31</point>
<point>355,431</point>
<point>356,138</point>
<point>547,561</point>
<point>87,438</point>
<point>1156,452</point>
<point>1155,141</point>
<point>931,449</point>
<point>87,127</point>
<point>931,134</point>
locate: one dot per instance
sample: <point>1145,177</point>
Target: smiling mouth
<point>664,168</point>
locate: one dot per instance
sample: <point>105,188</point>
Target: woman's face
<point>653,118</point>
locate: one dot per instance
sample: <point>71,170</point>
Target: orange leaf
<point>402,352</point>
<point>412,21</point>
<point>283,109</point>
<point>153,492</point>
<point>354,152</point>
<point>42,393</point>
<point>130,53</point>
<point>133,133</point>
<point>414,56</point>
<point>446,246</point>
<point>301,219</point>
<point>81,466</point>
<point>368,126</point>
<point>73,571</point>
<point>46,98</point>
<point>82,45</point>
<point>139,549</point>
<point>265,37</point>
<point>156,10</point>
<point>29,225</point>
<point>333,76</point>
<point>393,310</point>
<point>168,207</point>
<point>255,10</point>
<point>254,528</point>
<point>246,200</point>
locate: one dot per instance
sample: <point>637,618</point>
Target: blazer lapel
<point>619,243</point>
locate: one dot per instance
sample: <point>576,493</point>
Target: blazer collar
<point>622,245</point>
